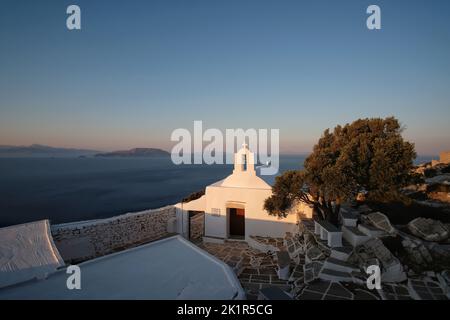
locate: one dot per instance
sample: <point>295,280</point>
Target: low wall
<point>79,241</point>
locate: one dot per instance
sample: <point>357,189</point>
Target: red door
<point>237,222</point>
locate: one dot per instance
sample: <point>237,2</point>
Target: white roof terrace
<point>171,268</point>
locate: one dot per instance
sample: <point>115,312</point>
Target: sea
<point>74,189</point>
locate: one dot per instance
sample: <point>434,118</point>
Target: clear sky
<point>139,69</point>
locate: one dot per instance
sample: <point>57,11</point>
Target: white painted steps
<point>354,236</point>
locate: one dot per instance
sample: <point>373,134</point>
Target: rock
<point>420,170</point>
<point>428,229</point>
<point>418,255</point>
<point>411,188</point>
<point>361,196</point>
<point>374,251</point>
<point>439,179</point>
<point>430,172</point>
<point>441,255</point>
<point>422,187</point>
<point>379,220</point>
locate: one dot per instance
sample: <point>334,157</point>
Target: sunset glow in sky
<point>140,69</point>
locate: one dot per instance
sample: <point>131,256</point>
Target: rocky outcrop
<point>418,256</point>
<point>374,252</point>
<point>421,256</point>
<point>428,229</point>
<point>400,256</point>
<point>432,182</point>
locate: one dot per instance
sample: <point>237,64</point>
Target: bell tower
<point>244,161</point>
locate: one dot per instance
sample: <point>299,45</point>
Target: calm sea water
<point>72,189</point>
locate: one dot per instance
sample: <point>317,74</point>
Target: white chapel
<point>234,207</point>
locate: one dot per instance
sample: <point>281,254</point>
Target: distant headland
<point>43,151</point>
<point>38,150</point>
<point>136,152</point>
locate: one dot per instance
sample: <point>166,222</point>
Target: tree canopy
<point>367,156</point>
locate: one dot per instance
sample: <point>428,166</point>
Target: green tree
<point>368,155</point>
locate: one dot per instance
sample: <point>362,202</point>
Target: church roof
<point>242,180</point>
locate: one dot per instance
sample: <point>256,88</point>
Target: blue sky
<point>139,69</point>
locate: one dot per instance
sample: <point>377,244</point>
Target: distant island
<point>43,151</point>
<point>37,150</point>
<point>136,152</point>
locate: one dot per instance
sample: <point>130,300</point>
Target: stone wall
<point>85,240</point>
<point>197,226</point>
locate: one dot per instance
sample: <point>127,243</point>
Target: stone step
<point>371,231</point>
<point>354,236</point>
<point>348,217</point>
<point>339,265</point>
<point>336,276</point>
<point>341,253</point>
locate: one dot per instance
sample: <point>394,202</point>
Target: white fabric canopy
<point>27,251</point>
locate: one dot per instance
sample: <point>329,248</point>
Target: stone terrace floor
<point>255,269</point>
